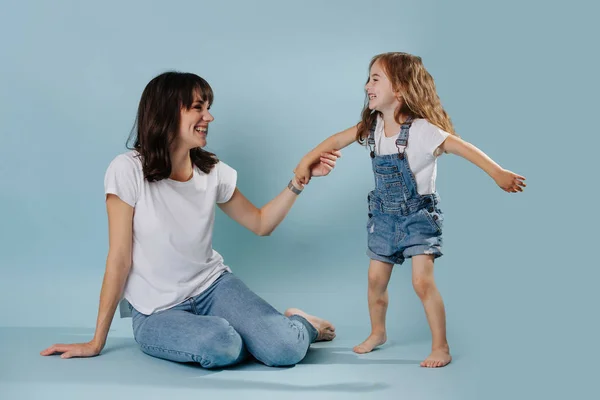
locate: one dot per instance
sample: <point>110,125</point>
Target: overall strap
<point>402,139</point>
<point>371,138</point>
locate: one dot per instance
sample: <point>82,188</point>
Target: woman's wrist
<point>295,186</point>
<point>98,344</point>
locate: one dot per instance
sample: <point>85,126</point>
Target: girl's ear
<point>398,93</point>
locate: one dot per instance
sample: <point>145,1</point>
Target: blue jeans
<point>221,327</point>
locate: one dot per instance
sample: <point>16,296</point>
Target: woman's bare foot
<point>374,340</point>
<point>326,331</point>
<point>438,358</point>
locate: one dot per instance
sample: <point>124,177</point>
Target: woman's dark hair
<point>158,118</point>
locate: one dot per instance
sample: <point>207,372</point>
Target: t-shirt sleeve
<point>432,137</point>
<point>122,179</point>
<point>226,181</point>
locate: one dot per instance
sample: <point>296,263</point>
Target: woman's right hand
<point>89,349</point>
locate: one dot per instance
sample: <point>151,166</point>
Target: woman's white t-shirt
<point>172,255</point>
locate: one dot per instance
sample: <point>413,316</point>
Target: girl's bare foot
<point>374,340</point>
<point>326,331</point>
<point>438,358</point>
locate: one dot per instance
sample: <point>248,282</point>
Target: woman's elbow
<point>263,232</point>
<point>120,258</point>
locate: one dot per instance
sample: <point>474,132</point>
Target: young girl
<point>406,129</point>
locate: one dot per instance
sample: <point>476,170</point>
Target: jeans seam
<point>194,357</point>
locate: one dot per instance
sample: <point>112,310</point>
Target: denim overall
<point>402,223</point>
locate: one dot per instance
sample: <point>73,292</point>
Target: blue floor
<point>506,344</point>
<point>330,371</point>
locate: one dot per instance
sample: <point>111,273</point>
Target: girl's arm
<point>507,180</point>
<point>263,221</point>
<point>118,264</point>
<point>334,142</point>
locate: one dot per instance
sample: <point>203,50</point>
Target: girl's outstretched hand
<point>509,181</point>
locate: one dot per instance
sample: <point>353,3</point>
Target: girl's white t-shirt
<point>422,150</point>
<point>172,255</point>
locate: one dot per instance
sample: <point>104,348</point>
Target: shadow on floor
<point>121,362</point>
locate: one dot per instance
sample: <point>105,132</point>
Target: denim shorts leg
<point>424,233</point>
<point>383,238</point>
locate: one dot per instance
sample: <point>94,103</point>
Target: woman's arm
<point>263,221</point>
<point>118,264</point>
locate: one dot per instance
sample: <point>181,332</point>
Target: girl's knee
<point>378,280</point>
<point>380,270</point>
<point>423,285</point>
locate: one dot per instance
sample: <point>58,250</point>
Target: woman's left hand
<point>326,164</point>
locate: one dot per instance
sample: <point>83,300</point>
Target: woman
<point>186,304</point>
